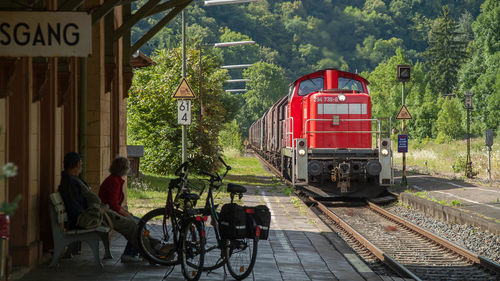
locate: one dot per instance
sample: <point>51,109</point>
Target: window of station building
<point>310,86</point>
<point>350,84</point>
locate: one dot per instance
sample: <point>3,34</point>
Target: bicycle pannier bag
<point>233,224</point>
<point>262,217</point>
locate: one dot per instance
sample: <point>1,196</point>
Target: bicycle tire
<point>192,249</point>
<point>241,255</point>
<point>214,255</point>
<point>152,240</point>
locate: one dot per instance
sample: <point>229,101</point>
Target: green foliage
<point>267,85</point>
<point>445,54</point>
<point>460,163</point>
<point>449,122</point>
<point>230,136</point>
<point>296,37</point>
<point>480,73</point>
<point>152,112</point>
<point>8,208</point>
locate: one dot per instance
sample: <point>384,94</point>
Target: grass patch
<point>150,191</point>
<point>427,196</point>
<point>429,156</point>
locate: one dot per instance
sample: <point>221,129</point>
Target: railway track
<point>407,249</point>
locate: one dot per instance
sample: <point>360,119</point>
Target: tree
<point>444,54</point>
<point>152,112</point>
<point>449,122</point>
<point>481,72</point>
<point>267,85</point>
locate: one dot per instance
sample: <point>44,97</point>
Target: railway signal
<point>403,73</point>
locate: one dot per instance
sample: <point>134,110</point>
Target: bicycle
<point>238,254</point>
<point>171,235</point>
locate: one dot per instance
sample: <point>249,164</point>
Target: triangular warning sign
<point>184,91</point>
<point>404,114</point>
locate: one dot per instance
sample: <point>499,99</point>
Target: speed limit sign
<point>183,112</point>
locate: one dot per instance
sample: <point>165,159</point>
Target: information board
<point>402,143</point>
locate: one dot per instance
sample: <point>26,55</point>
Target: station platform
<point>300,247</point>
<point>470,202</point>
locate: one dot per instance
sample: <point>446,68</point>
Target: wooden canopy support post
<point>8,68</point>
<point>110,63</point>
<point>152,32</point>
<point>127,24</point>
<point>40,78</point>
<point>64,80</point>
<point>127,69</point>
<point>103,10</point>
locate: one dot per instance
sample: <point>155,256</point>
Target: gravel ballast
<point>472,238</point>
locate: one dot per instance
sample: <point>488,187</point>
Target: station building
<point>56,98</point>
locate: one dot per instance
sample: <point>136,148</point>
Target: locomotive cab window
<point>310,86</point>
<point>350,84</point>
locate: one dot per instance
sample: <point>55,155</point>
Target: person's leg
<point>128,228</point>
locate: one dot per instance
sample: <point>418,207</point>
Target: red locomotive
<point>323,133</point>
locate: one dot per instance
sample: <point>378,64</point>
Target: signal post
<point>184,95</point>
<point>403,75</point>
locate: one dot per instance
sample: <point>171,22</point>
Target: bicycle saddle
<point>231,187</point>
<point>189,196</point>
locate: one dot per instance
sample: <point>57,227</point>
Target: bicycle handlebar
<point>181,168</point>
<point>217,177</point>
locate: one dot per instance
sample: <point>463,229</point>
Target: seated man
<point>79,199</point>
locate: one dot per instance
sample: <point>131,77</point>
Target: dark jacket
<point>71,190</point>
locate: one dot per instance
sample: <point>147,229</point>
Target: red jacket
<point>111,192</point>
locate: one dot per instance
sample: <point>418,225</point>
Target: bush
<point>229,137</point>
<point>449,122</point>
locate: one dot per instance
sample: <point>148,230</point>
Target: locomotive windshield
<point>350,84</point>
<point>311,85</point>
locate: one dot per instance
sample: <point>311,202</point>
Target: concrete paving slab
<point>298,248</point>
<point>474,203</point>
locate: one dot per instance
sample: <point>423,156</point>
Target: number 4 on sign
<point>184,112</point>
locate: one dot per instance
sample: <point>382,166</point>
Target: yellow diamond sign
<point>184,91</point>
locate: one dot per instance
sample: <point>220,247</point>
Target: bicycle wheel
<point>192,249</point>
<point>214,257</point>
<point>157,241</point>
<point>241,255</point>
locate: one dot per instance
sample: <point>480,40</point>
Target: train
<point>322,134</point>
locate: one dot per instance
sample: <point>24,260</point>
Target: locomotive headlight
<point>384,152</point>
<point>302,152</point>
<point>341,98</point>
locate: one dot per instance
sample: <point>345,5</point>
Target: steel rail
<point>482,261</point>
<point>388,260</point>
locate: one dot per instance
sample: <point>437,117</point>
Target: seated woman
<point>111,193</point>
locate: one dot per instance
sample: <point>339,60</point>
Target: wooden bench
<point>63,237</point>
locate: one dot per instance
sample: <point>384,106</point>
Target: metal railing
<point>287,133</point>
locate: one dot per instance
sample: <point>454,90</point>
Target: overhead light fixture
<point>235,66</point>
<point>236,43</point>
<point>226,2</point>
<point>237,80</point>
<point>236,90</point>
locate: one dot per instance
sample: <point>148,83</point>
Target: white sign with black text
<point>45,34</point>
<point>183,112</point>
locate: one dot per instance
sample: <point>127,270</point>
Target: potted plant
<point>6,210</point>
